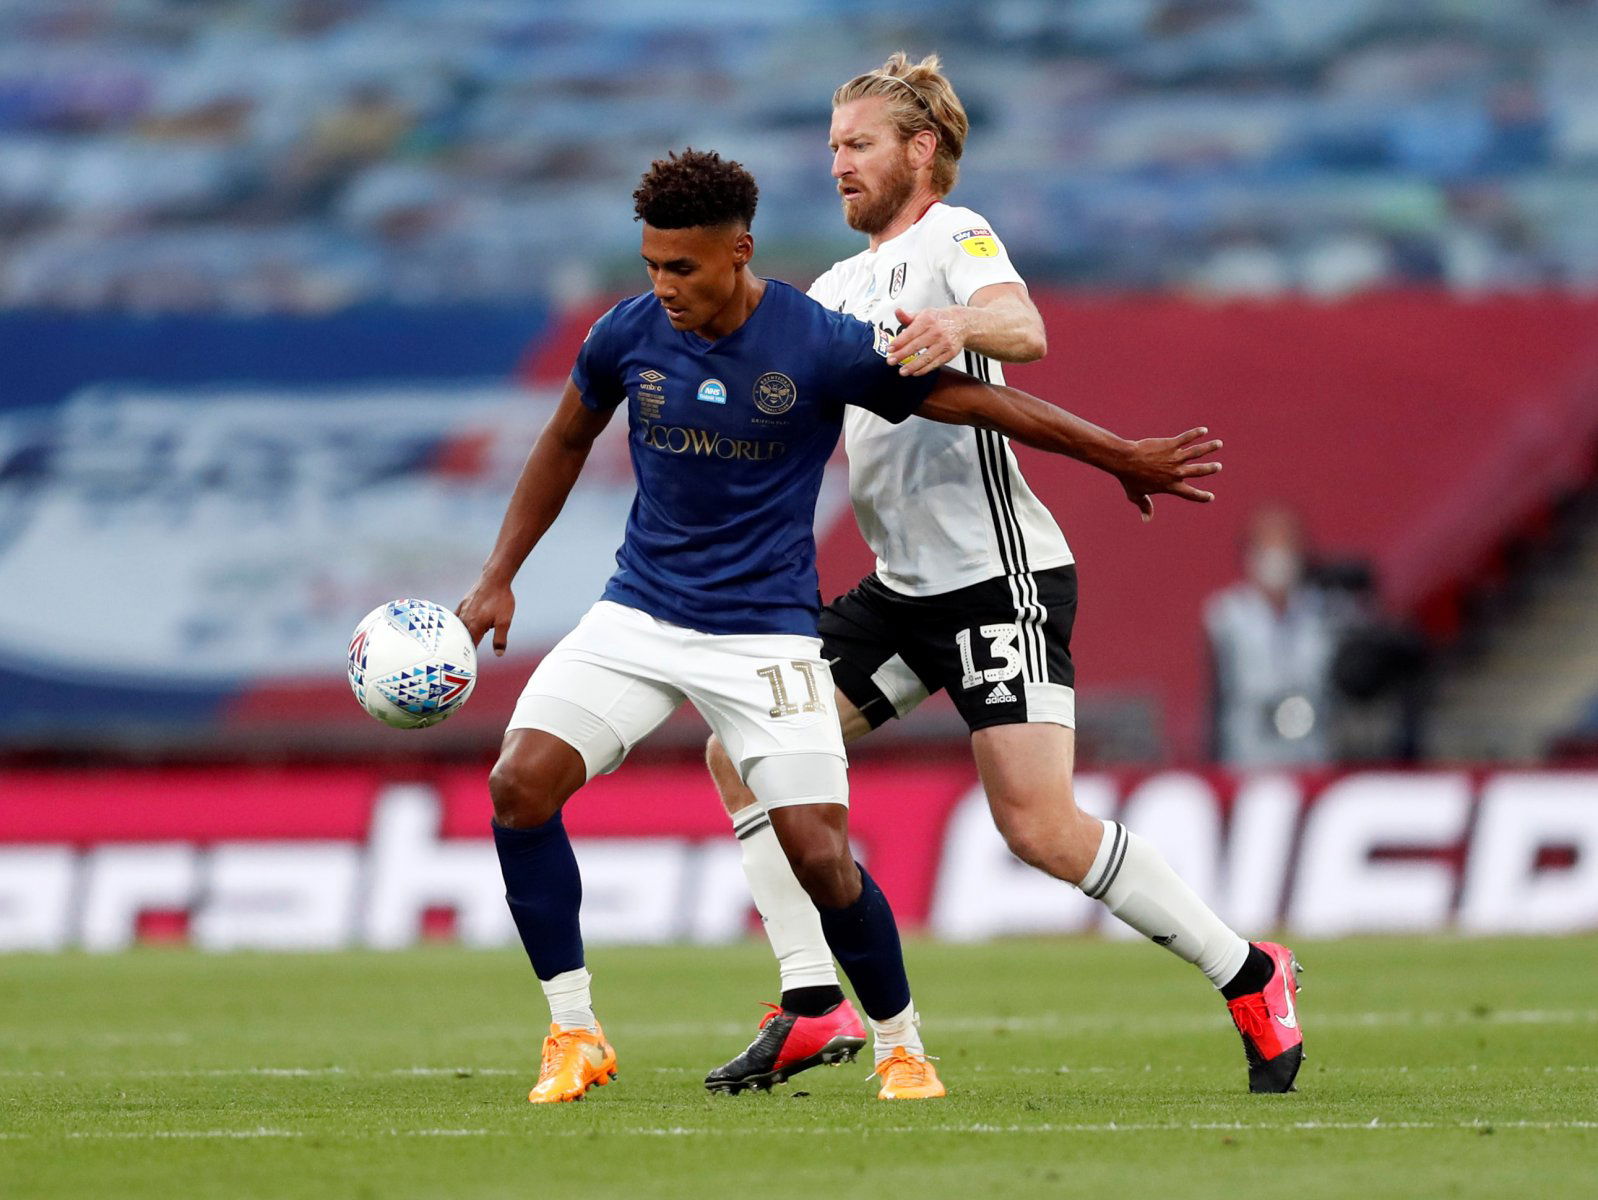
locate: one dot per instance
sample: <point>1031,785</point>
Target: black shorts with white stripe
<point>1002,651</point>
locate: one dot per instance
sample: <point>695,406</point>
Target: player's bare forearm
<point>961,399</point>
<point>1145,468</point>
<point>1000,322</point>
<point>1008,327</point>
<point>546,481</point>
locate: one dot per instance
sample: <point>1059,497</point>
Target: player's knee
<point>827,873</point>
<point>522,793</point>
<point>512,793</point>
<point>1047,840</point>
<point>1031,844</point>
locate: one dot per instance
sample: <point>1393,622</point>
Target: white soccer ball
<point>412,663</point>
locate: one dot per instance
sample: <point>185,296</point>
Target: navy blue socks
<point>865,941</point>
<point>545,892</point>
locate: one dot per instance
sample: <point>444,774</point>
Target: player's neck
<point>745,299</point>
<point>909,213</point>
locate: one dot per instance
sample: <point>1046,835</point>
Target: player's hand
<point>489,605</point>
<point>1165,466</point>
<point>930,339</point>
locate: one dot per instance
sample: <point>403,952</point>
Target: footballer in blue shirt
<point>735,388</point>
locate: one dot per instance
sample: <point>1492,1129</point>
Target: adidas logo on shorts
<point>1000,695</point>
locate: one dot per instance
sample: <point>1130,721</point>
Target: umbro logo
<point>1000,695</point>
<point>651,376</point>
<point>1164,939</point>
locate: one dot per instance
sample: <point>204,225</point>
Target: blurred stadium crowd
<point>239,238</point>
<point>255,156</point>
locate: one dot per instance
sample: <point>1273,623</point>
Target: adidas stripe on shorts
<point>1001,647</point>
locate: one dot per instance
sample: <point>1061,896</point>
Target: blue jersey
<point>729,440</point>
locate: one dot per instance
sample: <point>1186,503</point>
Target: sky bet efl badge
<point>978,243</point>
<point>713,391</point>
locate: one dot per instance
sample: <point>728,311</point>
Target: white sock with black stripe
<point>792,924</point>
<point>1136,884</point>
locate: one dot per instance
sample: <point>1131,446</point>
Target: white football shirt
<point>943,506</point>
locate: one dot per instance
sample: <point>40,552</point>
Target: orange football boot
<point>574,1060</point>
<point>907,1076</point>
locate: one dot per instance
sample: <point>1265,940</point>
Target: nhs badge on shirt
<point>713,391</point>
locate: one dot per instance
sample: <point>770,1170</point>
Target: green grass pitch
<point>1436,1067</point>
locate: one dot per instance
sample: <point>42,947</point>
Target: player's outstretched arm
<point>999,322</point>
<point>551,470</point>
<point>1146,468</point>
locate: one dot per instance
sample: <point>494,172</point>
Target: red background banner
<point>1361,851</point>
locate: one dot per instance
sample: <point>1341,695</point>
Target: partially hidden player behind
<point>735,388</point>
<point>974,591</point>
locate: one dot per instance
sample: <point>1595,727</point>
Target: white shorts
<point>611,681</point>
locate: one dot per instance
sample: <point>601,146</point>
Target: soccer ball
<point>412,663</point>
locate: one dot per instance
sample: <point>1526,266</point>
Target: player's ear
<point>743,247</point>
<point>923,148</point>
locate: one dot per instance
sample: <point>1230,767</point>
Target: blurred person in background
<point>1380,671</point>
<point>1305,667</point>
<point>974,592</point>
<point>1272,639</point>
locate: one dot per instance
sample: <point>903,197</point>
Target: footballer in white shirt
<point>974,591</point>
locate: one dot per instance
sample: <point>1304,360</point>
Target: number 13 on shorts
<point>1002,638</point>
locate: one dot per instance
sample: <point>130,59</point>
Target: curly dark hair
<point>695,188</point>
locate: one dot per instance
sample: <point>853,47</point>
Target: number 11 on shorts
<point>781,705</point>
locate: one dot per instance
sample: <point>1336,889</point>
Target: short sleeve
<point>863,377</point>
<point>823,292</point>
<point>972,256</point>
<point>597,372</point>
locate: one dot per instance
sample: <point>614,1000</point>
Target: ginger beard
<point>871,210</point>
